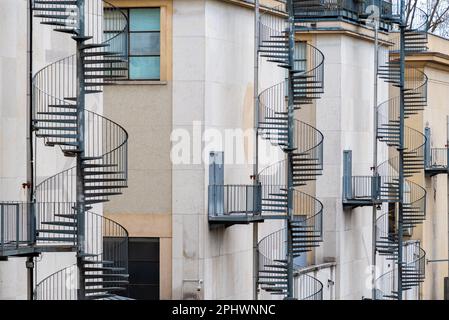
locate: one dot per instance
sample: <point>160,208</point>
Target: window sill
<point>141,82</point>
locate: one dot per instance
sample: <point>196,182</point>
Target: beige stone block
<point>144,225</point>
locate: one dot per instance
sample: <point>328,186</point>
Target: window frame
<point>166,61</point>
<point>128,35</point>
<point>129,41</point>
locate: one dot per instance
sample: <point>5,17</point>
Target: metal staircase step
<point>88,187</point>
<point>101,194</point>
<point>105,275</point>
<point>96,201</point>
<point>55,135</point>
<point>96,173</point>
<point>64,30</point>
<point>98,165</point>
<point>62,231</point>
<point>56,239</point>
<point>59,2</point>
<point>91,269</point>
<point>60,223</point>
<point>56,128</point>
<point>104,289</point>
<point>59,113</point>
<point>56,120</point>
<point>274,282</point>
<point>273,271</point>
<point>66,216</point>
<point>95,180</point>
<point>95,296</point>
<point>102,262</point>
<point>103,61</point>
<point>106,282</point>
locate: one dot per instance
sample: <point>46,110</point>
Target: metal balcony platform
<point>14,251</point>
<point>235,218</point>
<point>434,170</point>
<point>33,250</point>
<point>435,159</point>
<point>357,202</point>
<point>234,204</point>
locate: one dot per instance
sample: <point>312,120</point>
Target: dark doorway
<point>144,268</point>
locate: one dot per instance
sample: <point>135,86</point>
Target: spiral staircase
<point>302,145</point>
<point>406,150</point>
<point>63,202</point>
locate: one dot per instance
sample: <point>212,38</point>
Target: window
<point>144,38</point>
<point>300,56</point>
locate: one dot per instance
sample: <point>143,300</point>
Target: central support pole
<point>291,146</point>
<point>30,150</point>
<point>375,173</point>
<point>256,143</point>
<point>400,220</point>
<point>80,200</point>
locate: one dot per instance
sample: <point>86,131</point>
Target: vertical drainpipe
<point>446,280</point>
<point>375,173</point>
<point>256,144</point>
<point>29,140</point>
<point>291,30</point>
<point>401,150</point>
<point>80,200</point>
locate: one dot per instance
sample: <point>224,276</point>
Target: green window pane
<point>145,19</point>
<point>144,68</point>
<point>145,44</point>
<point>118,42</point>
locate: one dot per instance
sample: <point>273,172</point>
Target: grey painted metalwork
<point>435,158</point>
<point>99,146</point>
<point>273,193</point>
<point>303,148</point>
<point>408,160</point>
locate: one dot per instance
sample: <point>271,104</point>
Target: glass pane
<point>145,19</point>
<point>144,44</point>
<point>144,68</point>
<point>300,56</point>
<point>117,42</point>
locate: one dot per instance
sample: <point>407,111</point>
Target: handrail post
<point>17,225</point>
<point>2,226</point>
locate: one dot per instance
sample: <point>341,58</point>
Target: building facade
<point>204,219</point>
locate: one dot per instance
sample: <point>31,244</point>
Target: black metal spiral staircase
<point>99,146</point>
<point>406,160</point>
<point>303,146</point>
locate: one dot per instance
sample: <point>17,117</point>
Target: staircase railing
<point>307,287</point>
<point>414,261</point>
<point>106,240</point>
<point>407,154</point>
<point>101,59</point>
<point>61,285</point>
<point>303,148</point>
<point>228,200</point>
<point>437,158</point>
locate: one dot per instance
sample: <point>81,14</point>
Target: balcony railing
<point>17,227</point>
<point>436,161</point>
<point>349,9</point>
<point>360,188</point>
<point>234,203</point>
<point>366,190</point>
